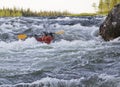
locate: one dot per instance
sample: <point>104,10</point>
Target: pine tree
<point>106,5</point>
<point>107,2</point>
<point>118,1</point>
<point>113,3</point>
<point>100,6</point>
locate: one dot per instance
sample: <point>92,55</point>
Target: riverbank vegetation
<point>21,12</point>
<point>6,12</point>
<point>84,14</point>
<point>105,6</point>
<point>102,9</point>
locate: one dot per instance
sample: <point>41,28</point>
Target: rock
<point>110,28</point>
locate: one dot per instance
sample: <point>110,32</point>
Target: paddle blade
<point>22,36</point>
<point>60,32</point>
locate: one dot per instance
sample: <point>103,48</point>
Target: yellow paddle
<point>60,32</point>
<point>24,36</point>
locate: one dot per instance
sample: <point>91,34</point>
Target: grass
<point>89,14</point>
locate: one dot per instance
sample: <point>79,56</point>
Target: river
<point>77,58</point>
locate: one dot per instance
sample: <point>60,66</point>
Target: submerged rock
<point>110,28</point>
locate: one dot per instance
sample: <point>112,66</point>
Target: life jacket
<point>45,39</point>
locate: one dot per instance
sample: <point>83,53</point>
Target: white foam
<point>32,19</point>
<point>107,77</point>
<point>66,18</point>
<point>75,44</point>
<point>17,45</point>
<point>54,82</point>
<point>115,40</point>
<point>32,43</point>
<point>70,19</point>
<point>113,79</point>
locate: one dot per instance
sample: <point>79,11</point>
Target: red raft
<point>45,39</point>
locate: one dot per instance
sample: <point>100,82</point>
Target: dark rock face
<point>110,28</point>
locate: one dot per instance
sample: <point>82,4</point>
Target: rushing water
<point>77,58</point>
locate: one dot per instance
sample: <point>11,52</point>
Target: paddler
<point>46,38</point>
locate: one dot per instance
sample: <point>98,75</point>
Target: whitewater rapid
<point>77,58</point>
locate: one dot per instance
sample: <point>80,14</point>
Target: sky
<point>73,6</point>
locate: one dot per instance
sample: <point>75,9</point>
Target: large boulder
<point>110,28</point>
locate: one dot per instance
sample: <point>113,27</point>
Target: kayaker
<point>46,38</point>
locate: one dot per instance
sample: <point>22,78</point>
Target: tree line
<point>106,5</point>
<point>5,12</point>
<point>103,8</point>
